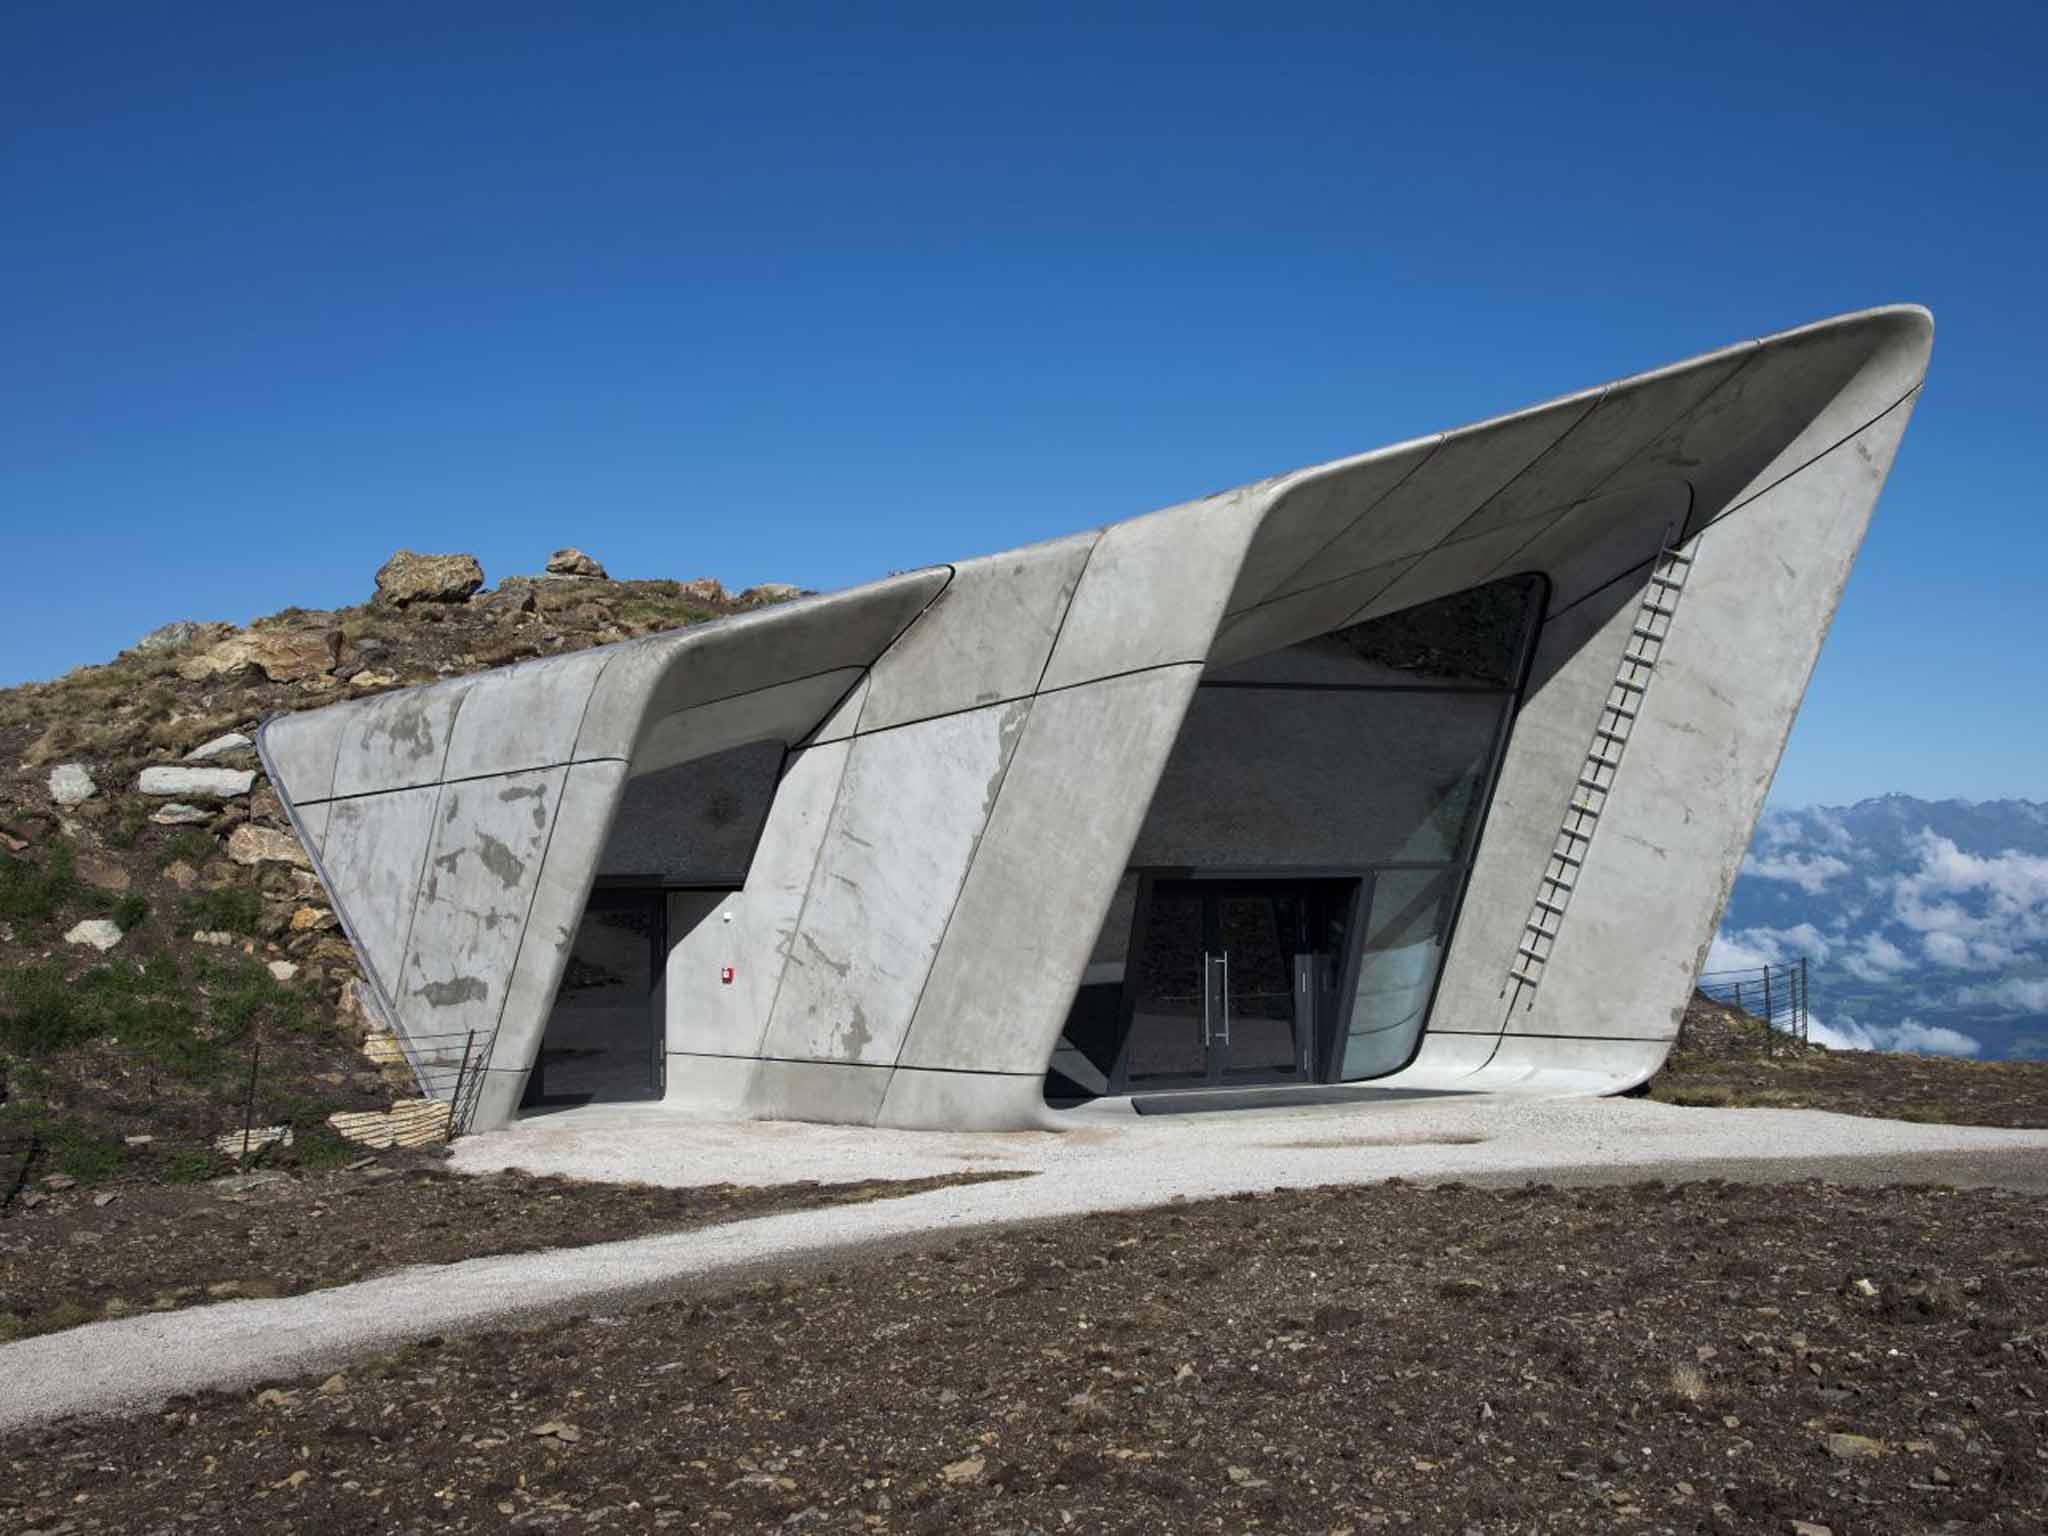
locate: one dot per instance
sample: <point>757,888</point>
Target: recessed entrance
<point>604,1037</point>
<point>1233,982</point>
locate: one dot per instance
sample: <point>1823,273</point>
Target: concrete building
<point>1428,770</point>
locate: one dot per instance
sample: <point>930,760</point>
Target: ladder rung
<point>1674,555</point>
<point>1649,634</point>
<point>1650,607</point>
<point>1525,950</point>
<point>1666,581</point>
<point>1550,906</point>
<point>1565,858</point>
<point>1527,981</point>
<point>1616,709</point>
<point>1647,663</point>
<point>1622,682</point>
<point>1605,789</point>
<point>1607,735</point>
<point>1585,810</point>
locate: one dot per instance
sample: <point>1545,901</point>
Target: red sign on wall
<point>725,974</point>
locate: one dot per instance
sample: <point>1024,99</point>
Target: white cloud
<point>1877,958</point>
<point>1809,871</point>
<point>1752,948</point>
<point>1909,1034</point>
<point>2018,993</point>
<point>1976,912</point>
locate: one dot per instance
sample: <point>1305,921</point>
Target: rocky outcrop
<point>769,592</point>
<point>573,562</point>
<point>281,655</point>
<point>408,578</point>
<point>251,844</point>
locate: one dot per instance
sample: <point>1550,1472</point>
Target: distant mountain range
<point>1925,923</point>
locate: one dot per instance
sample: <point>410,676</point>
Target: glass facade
<point>1292,890</point>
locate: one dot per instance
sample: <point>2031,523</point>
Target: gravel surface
<point>1702,1358</point>
<point>1107,1163</point>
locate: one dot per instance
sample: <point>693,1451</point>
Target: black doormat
<point>1207,1101</point>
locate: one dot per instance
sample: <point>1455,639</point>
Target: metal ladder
<point>1603,761</point>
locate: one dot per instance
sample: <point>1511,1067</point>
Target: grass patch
<point>231,909</point>
<point>35,893</point>
<point>189,846</point>
<point>129,912</point>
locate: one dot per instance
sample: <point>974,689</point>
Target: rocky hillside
<point>168,964</point>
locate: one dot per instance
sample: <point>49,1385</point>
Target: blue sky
<point>810,294</point>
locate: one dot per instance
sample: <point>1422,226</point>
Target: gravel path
<point>1105,1163</point>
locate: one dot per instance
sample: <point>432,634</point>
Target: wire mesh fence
<point>1774,995</point>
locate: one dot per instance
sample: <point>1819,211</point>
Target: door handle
<point>1225,1031</point>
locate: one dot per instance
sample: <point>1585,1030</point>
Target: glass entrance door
<point>1231,982</point>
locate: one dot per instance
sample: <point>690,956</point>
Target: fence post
<point>1767,1010</point>
<point>1804,1037</point>
<point>249,1103</point>
<point>455,1098</point>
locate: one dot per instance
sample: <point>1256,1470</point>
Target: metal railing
<point>1774,995</point>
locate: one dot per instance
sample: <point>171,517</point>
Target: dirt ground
<point>1722,1061</point>
<point>69,1258</point>
<point>1702,1358</point>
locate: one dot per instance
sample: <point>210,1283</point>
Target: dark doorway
<point>1232,982</point>
<point>604,1038</point>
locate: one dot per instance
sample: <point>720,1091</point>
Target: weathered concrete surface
<point>1068,813</point>
<point>911,810</point>
<point>983,640</point>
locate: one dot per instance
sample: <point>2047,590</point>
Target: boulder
<point>174,636</point>
<point>705,589</point>
<point>70,784</point>
<point>573,562</point>
<point>196,783</point>
<point>281,655</point>
<point>220,746</point>
<point>770,592</point>
<point>249,844</point>
<point>99,932</point>
<point>413,578</point>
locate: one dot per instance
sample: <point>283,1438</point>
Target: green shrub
<point>78,1152</point>
<point>189,845</point>
<point>33,893</point>
<point>129,911</point>
<point>319,1145</point>
<point>194,1165</point>
<point>234,909</point>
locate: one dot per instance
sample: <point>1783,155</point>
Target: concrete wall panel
<point>897,849</point>
<point>398,740</point>
<point>1700,758</point>
<point>1045,871</point>
<point>984,639</point>
<point>1451,568</point>
<point>299,751</point>
<point>706,1015</point>
<point>782,712</point>
<point>475,894</point>
<point>1602,540</point>
<point>589,796</point>
<point>524,716</point>
<point>845,716</point>
<point>1303,615</point>
<point>649,680</point>
<point>1471,466</point>
<point>965,1101</point>
<point>1573,669</point>
<point>1154,589</point>
<point>371,859</point>
<point>1312,509</point>
<point>1627,420</point>
<point>835,1092</point>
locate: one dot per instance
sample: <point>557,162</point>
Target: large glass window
<point>1355,766</point>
